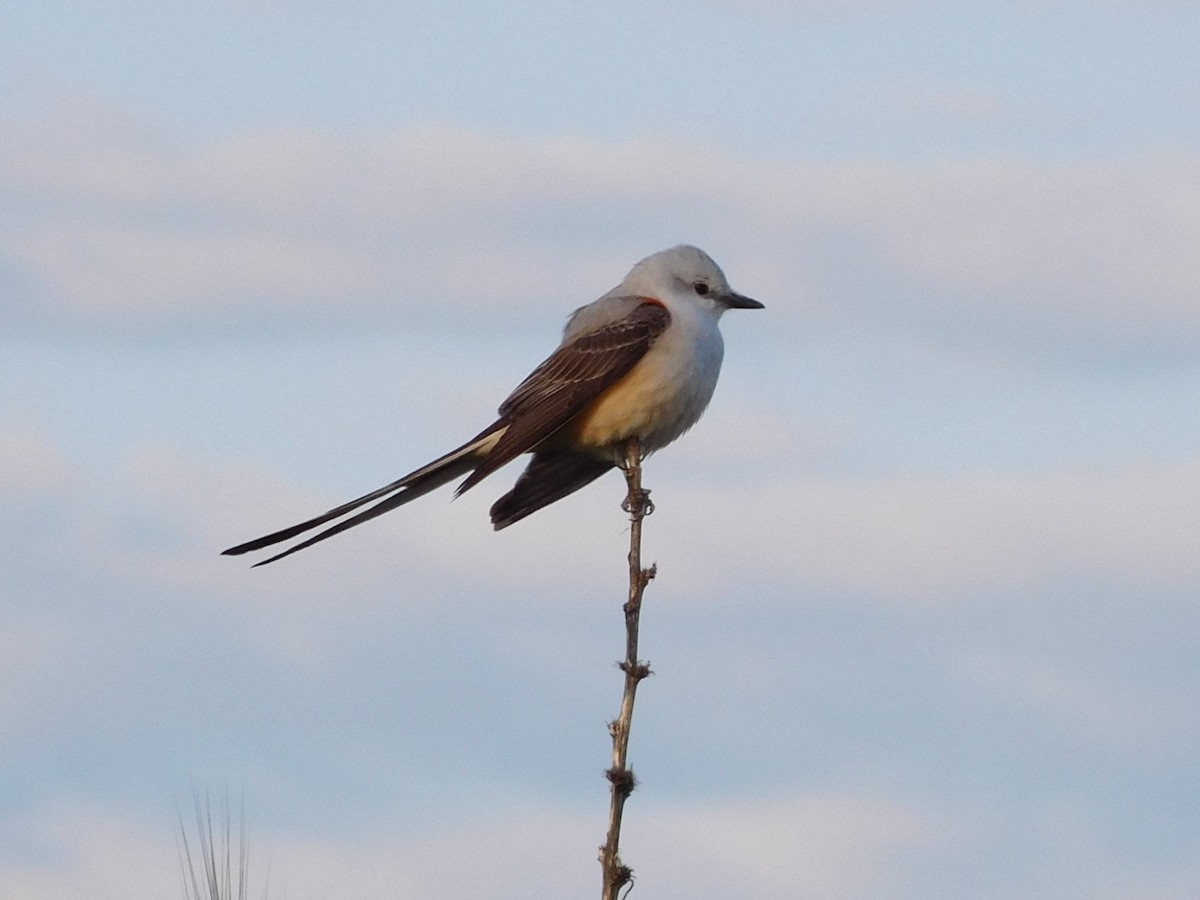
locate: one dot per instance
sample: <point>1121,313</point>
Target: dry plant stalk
<point>637,504</point>
<point>219,875</point>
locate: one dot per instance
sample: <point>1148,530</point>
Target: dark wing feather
<point>574,375</point>
<point>550,476</point>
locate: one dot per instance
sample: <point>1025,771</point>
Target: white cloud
<point>1078,246</point>
<point>836,845</point>
<point>897,541</point>
<point>94,853</point>
<point>925,540</point>
<point>831,845</point>
<point>1074,700</point>
<point>31,465</point>
<point>150,230</point>
<point>936,540</point>
<point>908,541</point>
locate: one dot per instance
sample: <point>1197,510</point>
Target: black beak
<point>737,301</point>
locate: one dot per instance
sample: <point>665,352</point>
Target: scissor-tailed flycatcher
<point>642,361</point>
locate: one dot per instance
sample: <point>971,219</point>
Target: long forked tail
<point>413,485</point>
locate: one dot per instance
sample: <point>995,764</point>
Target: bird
<point>640,362</point>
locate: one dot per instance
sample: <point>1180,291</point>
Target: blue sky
<point>926,619</point>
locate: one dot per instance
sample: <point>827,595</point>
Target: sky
<point>925,623</point>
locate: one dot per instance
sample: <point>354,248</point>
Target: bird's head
<point>686,272</point>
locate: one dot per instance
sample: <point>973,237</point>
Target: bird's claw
<point>638,503</point>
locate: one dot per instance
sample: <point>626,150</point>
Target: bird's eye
<point>700,288</point>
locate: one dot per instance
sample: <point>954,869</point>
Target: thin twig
<point>620,776</point>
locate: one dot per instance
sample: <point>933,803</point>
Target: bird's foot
<point>638,503</point>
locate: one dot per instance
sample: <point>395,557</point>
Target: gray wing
<point>574,375</point>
